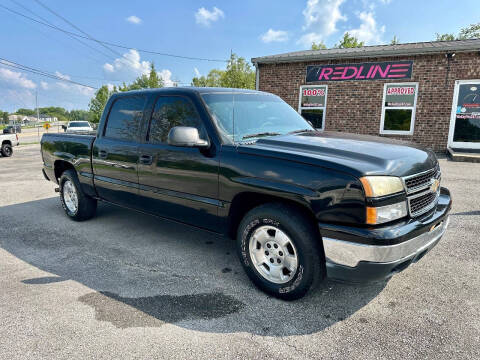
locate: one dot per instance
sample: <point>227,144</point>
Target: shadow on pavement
<point>145,272</point>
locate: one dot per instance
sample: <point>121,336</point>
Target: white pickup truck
<point>8,141</point>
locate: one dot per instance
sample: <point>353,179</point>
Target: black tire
<point>7,150</point>
<point>87,206</point>
<point>306,241</point>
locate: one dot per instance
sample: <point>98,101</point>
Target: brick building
<point>427,92</point>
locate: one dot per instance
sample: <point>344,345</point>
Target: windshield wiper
<point>260,135</point>
<point>300,131</point>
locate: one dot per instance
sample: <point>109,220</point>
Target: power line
<point>15,65</point>
<point>77,28</point>
<point>70,35</point>
<point>110,43</point>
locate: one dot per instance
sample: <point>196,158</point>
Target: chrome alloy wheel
<point>273,254</point>
<point>70,196</point>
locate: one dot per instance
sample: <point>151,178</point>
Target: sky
<point>201,29</point>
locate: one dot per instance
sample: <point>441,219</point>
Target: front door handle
<point>146,159</point>
<point>102,154</point>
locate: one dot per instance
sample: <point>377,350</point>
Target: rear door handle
<point>103,154</point>
<point>146,159</point>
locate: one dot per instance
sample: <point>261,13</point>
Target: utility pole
<point>38,114</point>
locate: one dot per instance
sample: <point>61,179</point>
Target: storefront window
<point>398,108</point>
<point>312,104</point>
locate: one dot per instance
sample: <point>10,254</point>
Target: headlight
<point>375,186</point>
<point>383,214</point>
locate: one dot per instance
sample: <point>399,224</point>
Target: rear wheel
<point>279,250</point>
<point>7,150</point>
<point>76,204</point>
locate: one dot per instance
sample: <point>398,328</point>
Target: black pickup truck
<point>303,205</point>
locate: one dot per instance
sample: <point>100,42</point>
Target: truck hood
<point>358,155</point>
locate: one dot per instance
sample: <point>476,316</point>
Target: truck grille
<point>421,197</point>
<point>421,181</point>
<point>421,204</point>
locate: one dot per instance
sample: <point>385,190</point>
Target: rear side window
<point>171,111</point>
<point>125,118</point>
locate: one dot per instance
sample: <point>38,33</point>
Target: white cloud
<point>274,36</point>
<point>72,87</point>
<point>386,2</point>
<point>134,20</point>
<point>205,17</point>
<point>16,78</point>
<point>321,18</point>
<point>368,30</point>
<point>44,85</point>
<point>128,67</point>
<point>166,76</point>
<point>197,73</point>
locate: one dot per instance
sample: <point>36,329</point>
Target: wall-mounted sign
<point>313,96</point>
<point>390,70</point>
<point>399,95</point>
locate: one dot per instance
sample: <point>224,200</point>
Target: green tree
<point>238,74</point>
<point>26,112</point>
<point>213,79</point>
<point>4,116</point>
<point>319,46</point>
<point>444,37</point>
<point>349,42</point>
<point>150,81</point>
<point>470,32</point>
<point>79,115</point>
<point>98,102</point>
<point>394,40</point>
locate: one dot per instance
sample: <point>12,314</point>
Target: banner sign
<point>313,96</point>
<point>398,95</point>
<point>390,70</point>
<point>468,103</point>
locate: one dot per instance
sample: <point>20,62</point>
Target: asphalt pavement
<point>127,285</point>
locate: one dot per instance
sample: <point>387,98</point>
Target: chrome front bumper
<point>349,254</point>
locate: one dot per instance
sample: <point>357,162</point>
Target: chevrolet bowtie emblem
<point>435,185</point>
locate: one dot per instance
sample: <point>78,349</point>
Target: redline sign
<point>390,70</point>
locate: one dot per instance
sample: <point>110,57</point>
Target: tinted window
<point>171,111</point>
<point>125,118</point>
<point>315,116</point>
<point>397,119</point>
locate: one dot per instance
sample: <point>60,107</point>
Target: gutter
<point>257,75</point>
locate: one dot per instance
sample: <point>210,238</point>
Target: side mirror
<point>186,136</point>
<point>64,127</point>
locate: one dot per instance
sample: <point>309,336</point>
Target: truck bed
<point>73,149</point>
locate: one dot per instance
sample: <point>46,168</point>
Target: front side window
<point>241,117</point>
<point>312,104</point>
<point>125,118</point>
<point>398,108</point>
<point>171,111</point>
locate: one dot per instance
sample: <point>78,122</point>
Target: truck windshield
<point>79,124</point>
<point>249,116</point>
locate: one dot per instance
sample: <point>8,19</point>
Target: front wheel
<point>76,204</point>
<point>7,150</point>
<point>279,250</point>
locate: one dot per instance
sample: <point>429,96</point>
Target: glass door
<point>465,119</point>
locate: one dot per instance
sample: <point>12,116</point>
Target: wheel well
<point>6,142</point>
<point>60,166</point>
<point>244,202</point>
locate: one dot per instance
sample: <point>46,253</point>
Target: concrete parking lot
<point>127,285</point>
